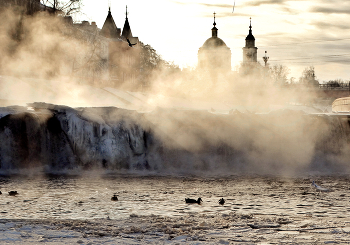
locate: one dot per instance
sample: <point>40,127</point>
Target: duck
<point>319,188</point>
<point>13,193</point>
<point>222,201</point>
<point>189,200</point>
<point>114,197</point>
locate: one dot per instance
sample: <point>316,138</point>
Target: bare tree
<point>65,7</point>
<point>308,77</point>
<point>279,74</point>
<point>150,61</point>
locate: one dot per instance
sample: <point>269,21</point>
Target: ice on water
<point>152,209</point>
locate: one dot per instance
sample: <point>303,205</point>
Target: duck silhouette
<point>189,200</point>
<point>13,193</point>
<point>222,201</point>
<point>114,197</point>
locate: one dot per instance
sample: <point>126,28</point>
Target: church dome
<point>250,36</point>
<point>214,54</point>
<point>214,42</point>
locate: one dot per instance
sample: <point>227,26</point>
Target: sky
<point>295,33</point>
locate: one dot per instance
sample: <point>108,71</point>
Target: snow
<point>303,108</point>
<point>129,98</point>
<point>92,96</point>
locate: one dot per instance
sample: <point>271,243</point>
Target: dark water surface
<point>89,197</point>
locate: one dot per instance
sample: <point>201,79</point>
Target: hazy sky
<point>297,33</point>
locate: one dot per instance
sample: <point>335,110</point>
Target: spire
<point>214,19</point>
<point>214,30</point>
<point>109,28</point>
<point>126,29</point>
<point>250,26</point>
<point>250,35</point>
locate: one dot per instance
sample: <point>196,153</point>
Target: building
<point>250,64</point>
<point>250,52</point>
<point>341,105</point>
<point>123,53</point>
<point>110,29</point>
<point>214,55</point>
<point>104,57</point>
<point>91,53</point>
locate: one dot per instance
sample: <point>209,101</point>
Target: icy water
<point>290,206</point>
<point>90,197</point>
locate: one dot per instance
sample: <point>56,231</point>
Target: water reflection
<point>60,182</point>
<point>90,197</point>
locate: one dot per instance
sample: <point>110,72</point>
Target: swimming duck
<point>13,193</point>
<point>114,197</point>
<point>319,188</point>
<point>222,201</point>
<point>189,200</point>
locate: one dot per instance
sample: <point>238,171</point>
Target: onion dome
<point>250,35</point>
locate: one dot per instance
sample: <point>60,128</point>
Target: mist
<point>183,122</point>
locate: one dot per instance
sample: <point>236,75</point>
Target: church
<point>250,52</point>
<point>215,55</point>
<point>115,53</point>
<point>123,53</point>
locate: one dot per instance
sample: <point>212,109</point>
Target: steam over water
<point>153,161</point>
<point>194,134</point>
<point>190,122</point>
<point>58,139</point>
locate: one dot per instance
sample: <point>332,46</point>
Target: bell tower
<point>250,52</point>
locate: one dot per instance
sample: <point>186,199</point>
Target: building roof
<point>109,28</point>
<point>214,42</point>
<point>250,35</point>
<point>127,34</point>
